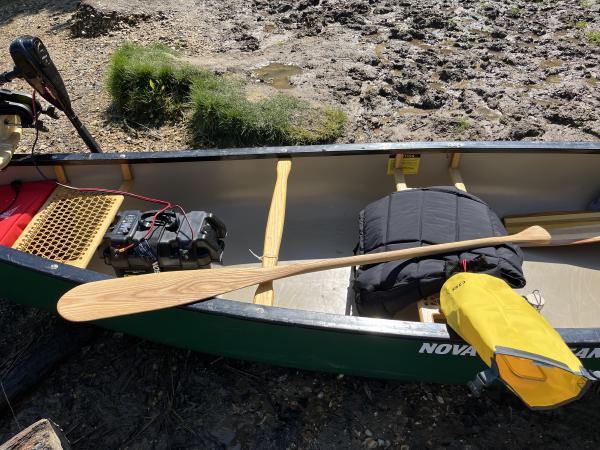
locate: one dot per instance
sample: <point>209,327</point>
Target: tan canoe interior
<point>325,195</point>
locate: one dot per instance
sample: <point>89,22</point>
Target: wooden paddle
<point>121,296</point>
<point>578,235</point>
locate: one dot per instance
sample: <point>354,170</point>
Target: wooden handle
<point>142,293</point>
<point>274,231</point>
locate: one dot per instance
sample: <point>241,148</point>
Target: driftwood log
<point>42,435</point>
<point>41,357</point>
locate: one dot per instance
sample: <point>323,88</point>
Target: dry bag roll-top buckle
<point>483,380</point>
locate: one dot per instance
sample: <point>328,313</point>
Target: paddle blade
<point>142,293</point>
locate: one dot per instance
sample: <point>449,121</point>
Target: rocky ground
<point>402,70</point>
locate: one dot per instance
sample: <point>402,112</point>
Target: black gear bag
<point>419,217</point>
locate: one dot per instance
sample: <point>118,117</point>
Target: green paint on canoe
<point>308,348</point>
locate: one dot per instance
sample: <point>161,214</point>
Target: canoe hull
<point>313,341</point>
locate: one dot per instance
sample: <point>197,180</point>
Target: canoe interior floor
<point>566,277</point>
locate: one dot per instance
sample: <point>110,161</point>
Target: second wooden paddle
<point>142,293</point>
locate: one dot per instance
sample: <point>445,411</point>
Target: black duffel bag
<point>419,217</point>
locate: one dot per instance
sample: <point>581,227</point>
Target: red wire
<point>168,205</point>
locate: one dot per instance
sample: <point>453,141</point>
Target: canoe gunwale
<point>383,148</point>
<point>283,316</point>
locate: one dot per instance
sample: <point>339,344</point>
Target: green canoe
<point>312,325</point>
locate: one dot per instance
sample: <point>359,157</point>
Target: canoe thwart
<point>274,230</point>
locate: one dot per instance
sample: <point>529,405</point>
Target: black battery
<point>175,241</point>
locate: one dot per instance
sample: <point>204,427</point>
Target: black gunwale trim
<point>391,148</point>
<point>282,316</point>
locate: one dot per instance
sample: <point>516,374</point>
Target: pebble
<point>370,443</point>
<point>368,433</point>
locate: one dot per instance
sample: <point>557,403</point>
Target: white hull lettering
<point>431,348</point>
<point>586,352</point>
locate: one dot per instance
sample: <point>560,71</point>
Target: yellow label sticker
<point>410,164</point>
<point>391,165</point>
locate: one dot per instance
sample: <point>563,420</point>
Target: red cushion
<point>31,198</point>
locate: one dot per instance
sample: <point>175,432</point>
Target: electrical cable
<point>167,205</point>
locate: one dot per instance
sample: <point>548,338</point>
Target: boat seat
<point>69,227</point>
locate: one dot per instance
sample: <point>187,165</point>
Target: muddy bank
<point>410,70</point>
<point>401,70</point>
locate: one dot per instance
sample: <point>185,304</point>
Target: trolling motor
<point>17,109</point>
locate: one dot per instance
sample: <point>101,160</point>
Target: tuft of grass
<point>224,116</point>
<point>581,24</point>
<point>594,37</point>
<point>515,11</point>
<point>587,3</point>
<point>462,125</point>
<point>150,84</point>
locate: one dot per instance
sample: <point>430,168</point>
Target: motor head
<point>33,63</point>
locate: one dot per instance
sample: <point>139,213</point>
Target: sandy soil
<point>402,70</point>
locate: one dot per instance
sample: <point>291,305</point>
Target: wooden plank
<point>42,435</point>
<point>274,231</point>
<point>126,173</point>
<point>552,220</point>
<point>429,310</point>
<point>61,175</point>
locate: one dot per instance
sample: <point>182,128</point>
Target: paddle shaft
<point>121,296</point>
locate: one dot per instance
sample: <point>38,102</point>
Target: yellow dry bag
<point>514,340</point>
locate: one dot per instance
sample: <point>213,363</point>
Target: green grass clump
<point>515,11</point>
<point>581,24</point>
<point>463,125</point>
<point>224,116</point>
<point>148,84</point>
<point>594,37</point>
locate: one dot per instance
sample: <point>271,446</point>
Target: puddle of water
<point>278,75</point>
<point>549,63</point>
